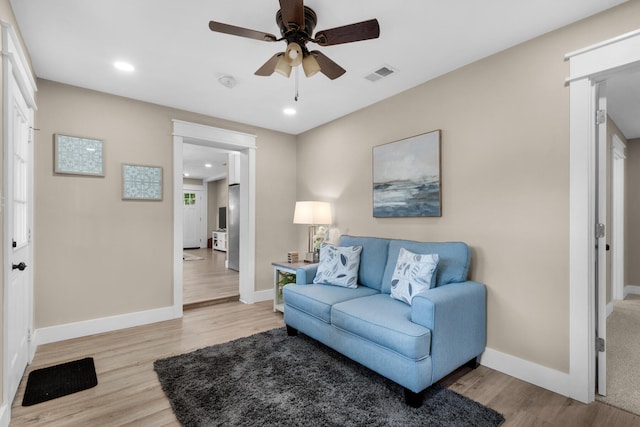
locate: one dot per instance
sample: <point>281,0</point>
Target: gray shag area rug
<point>271,379</point>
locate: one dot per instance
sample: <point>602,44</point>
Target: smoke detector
<point>227,81</point>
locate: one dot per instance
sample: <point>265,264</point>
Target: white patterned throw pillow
<point>338,265</point>
<point>412,275</point>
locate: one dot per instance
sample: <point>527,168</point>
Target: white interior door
<point>192,219</point>
<point>18,243</point>
<point>618,156</point>
<point>601,240</point>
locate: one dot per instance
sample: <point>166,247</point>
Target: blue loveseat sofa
<point>413,344</point>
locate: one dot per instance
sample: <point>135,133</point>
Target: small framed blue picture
<point>76,155</point>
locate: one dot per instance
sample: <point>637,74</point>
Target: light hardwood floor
<point>128,391</point>
<point>207,281</point>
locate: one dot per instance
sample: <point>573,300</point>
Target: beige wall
<point>632,213</point>
<point>505,178</point>
<point>99,256</point>
<point>217,197</point>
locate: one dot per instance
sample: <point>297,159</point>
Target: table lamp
<point>312,214</point>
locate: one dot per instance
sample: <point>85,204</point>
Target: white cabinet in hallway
<point>219,240</point>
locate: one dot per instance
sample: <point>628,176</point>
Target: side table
<point>279,268</point>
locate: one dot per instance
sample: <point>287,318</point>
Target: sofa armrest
<point>456,314</point>
<point>305,275</point>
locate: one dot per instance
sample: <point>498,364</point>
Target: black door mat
<point>59,380</point>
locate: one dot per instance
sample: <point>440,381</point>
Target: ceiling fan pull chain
<point>296,76</point>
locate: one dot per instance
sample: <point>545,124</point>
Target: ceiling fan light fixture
<point>283,67</point>
<point>293,54</point>
<point>310,65</point>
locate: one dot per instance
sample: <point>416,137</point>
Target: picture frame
<point>140,182</point>
<point>407,177</point>
<point>75,155</point>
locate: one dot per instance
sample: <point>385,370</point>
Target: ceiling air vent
<point>380,73</point>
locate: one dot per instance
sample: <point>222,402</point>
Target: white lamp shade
<point>310,65</point>
<point>312,213</point>
<point>283,67</point>
<point>293,54</point>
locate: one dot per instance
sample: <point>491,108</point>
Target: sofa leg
<point>292,332</point>
<point>473,363</point>
<point>413,399</point>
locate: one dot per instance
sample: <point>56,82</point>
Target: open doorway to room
<point>622,92</point>
<point>589,67</point>
<point>245,146</point>
<point>207,278</point>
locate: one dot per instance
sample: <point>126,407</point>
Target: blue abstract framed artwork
<point>141,182</point>
<point>78,156</point>
<point>406,177</point>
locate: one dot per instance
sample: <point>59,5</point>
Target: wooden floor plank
<point>128,391</point>
<point>207,280</point>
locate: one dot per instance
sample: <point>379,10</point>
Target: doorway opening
<point>207,276</point>
<point>589,67</point>
<point>244,145</point>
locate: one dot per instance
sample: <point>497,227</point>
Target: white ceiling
<point>623,102</point>
<point>178,60</point>
<point>196,157</point>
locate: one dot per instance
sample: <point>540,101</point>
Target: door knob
<point>20,266</point>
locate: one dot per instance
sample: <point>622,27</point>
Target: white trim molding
<point>97,326</point>
<point>588,67</point>
<point>5,415</point>
<point>631,290</point>
<point>245,145</point>
<point>12,50</point>
<point>524,370</point>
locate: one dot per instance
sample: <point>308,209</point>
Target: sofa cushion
<point>384,321</point>
<point>372,259</point>
<point>414,273</point>
<point>316,300</point>
<point>338,265</point>
<point>453,260</point>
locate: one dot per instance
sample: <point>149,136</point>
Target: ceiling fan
<point>297,23</point>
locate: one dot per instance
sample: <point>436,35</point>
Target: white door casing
<point>588,66</point>
<point>18,118</point>
<point>245,145</point>
<point>601,236</point>
<point>618,157</point>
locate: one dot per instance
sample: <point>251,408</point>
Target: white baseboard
<point>97,326</point>
<point>609,309</point>
<point>539,375</point>
<point>5,415</point>
<point>259,296</point>
<point>631,289</point>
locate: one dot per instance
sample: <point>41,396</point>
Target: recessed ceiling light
<point>186,174</point>
<point>123,66</point>
<point>207,165</point>
<point>289,111</point>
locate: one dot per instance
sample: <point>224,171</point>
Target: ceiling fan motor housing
<point>293,33</point>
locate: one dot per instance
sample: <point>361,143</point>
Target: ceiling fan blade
<point>364,30</point>
<point>219,27</point>
<point>292,12</point>
<point>270,66</point>
<point>327,66</point>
